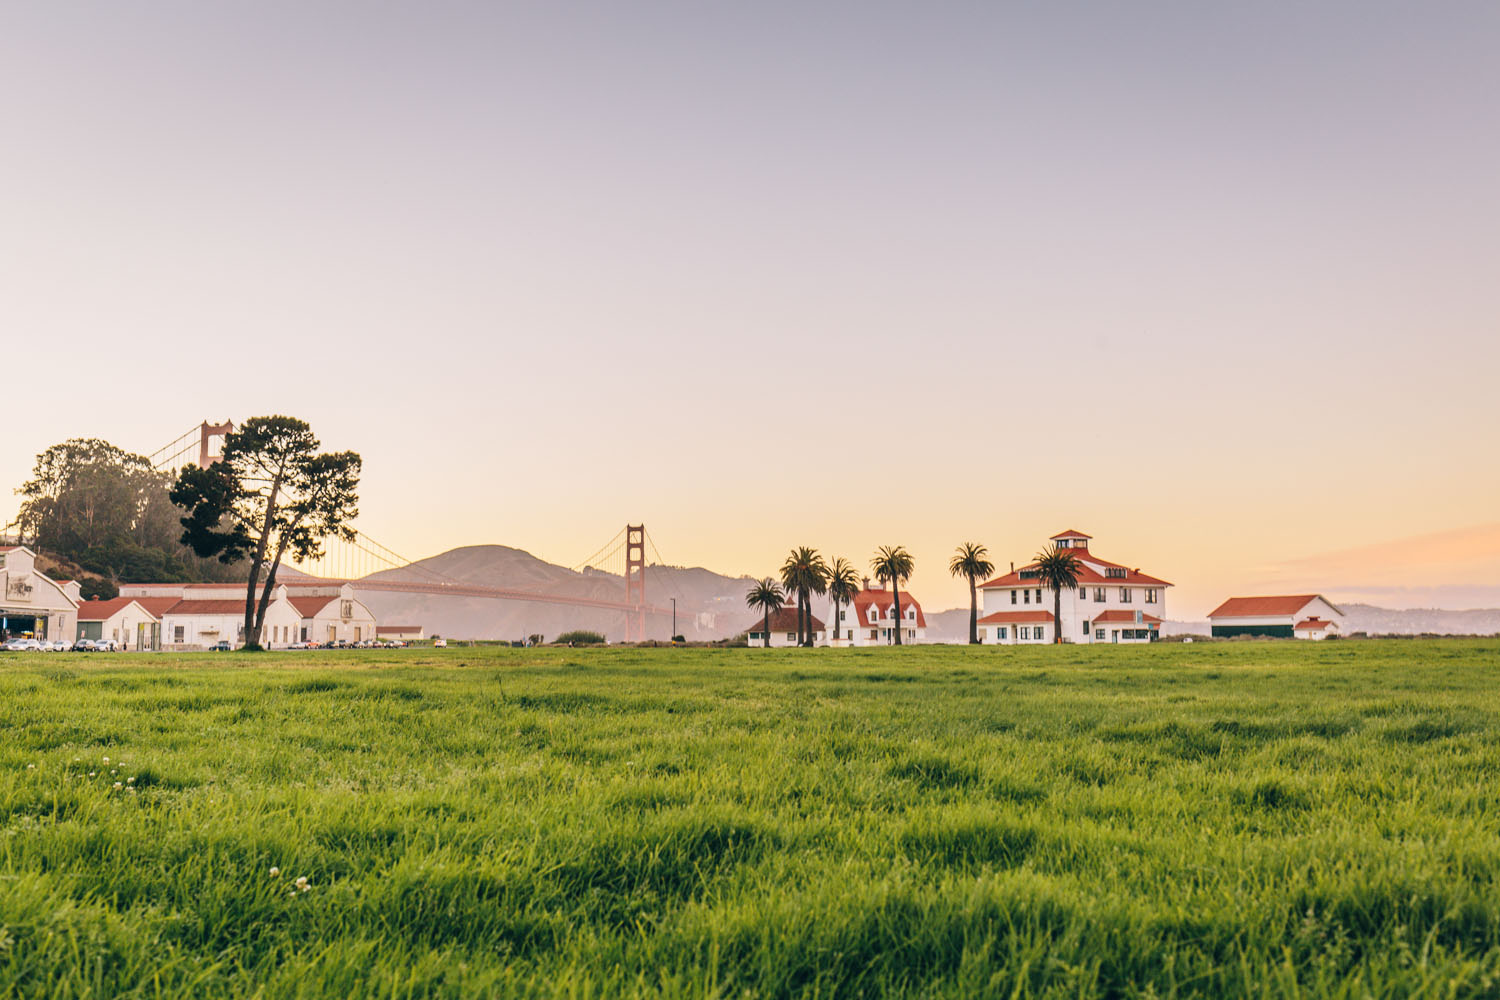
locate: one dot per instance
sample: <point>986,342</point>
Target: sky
<point>1213,283</point>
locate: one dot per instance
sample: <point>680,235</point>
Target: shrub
<point>580,637</point>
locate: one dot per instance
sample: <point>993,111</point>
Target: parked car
<point>23,646</point>
<point>105,645</point>
<point>222,646</point>
<point>60,646</point>
<point>83,646</point>
<point>440,644</point>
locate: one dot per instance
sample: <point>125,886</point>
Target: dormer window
<point>1116,572</point>
<point>874,615</point>
<point>1065,543</point>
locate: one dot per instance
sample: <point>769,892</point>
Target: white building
<point>1112,603</point>
<point>122,619</point>
<point>783,624</point>
<point>202,614</point>
<point>32,604</point>
<point>869,620</point>
<point>1286,616</point>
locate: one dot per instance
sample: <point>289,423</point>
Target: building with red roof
<point>870,619</point>
<point>121,620</point>
<point>198,615</point>
<point>1283,616</point>
<point>783,626</point>
<point>1112,603</point>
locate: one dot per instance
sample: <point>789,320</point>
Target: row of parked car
<point>60,646</point>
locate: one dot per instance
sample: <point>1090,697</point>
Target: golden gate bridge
<point>357,561</point>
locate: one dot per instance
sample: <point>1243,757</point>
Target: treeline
<point>107,511</point>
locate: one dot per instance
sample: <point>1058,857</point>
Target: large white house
<point>1287,616</point>
<point>1113,603</point>
<point>869,620</point>
<point>32,604</point>
<point>198,615</point>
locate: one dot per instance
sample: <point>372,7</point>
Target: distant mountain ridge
<point>711,605</point>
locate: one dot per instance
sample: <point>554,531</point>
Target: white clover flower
<point>92,773</point>
<point>302,882</point>
<point>106,760</point>
<point>114,772</point>
<point>118,785</point>
<point>130,780</point>
<point>131,790</point>
<point>31,767</point>
<point>275,872</point>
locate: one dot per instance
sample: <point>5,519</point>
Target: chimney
<point>866,583</point>
<point>1012,565</point>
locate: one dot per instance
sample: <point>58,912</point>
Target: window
<point>1028,596</point>
<point>1124,595</point>
<point>1150,596</point>
<point>791,637</point>
<point>1040,632</point>
<point>873,615</point>
<point>177,633</point>
<point>1024,631</point>
<point>1039,595</point>
<point>873,634</point>
<point>1098,595</point>
<point>346,609</point>
<point>911,614</point>
<point>1085,630</point>
<point>1012,597</point>
<point>1028,574</point>
<point>1099,634</point>
<point>752,636</point>
<point>1000,632</point>
<point>849,633</point>
<point>1115,572</point>
<point>843,615</point>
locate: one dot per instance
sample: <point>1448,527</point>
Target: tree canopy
<point>271,495</point>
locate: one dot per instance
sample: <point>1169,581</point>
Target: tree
<point>804,573</point>
<point>893,564</point>
<point>108,511</point>
<point>1057,569</point>
<point>768,596</point>
<point>843,584</point>
<point>970,563</point>
<point>270,495</point>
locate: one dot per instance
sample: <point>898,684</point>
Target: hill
<point>709,605</point>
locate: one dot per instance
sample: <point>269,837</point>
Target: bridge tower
<point>635,582</point>
<point>208,431</point>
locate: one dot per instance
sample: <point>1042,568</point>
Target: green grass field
<point>1234,819</point>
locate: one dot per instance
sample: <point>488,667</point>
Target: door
<point>1114,635</point>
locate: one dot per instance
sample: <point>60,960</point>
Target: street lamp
<point>674,619</point>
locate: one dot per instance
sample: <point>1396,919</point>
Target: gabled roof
<point>1016,617</point>
<point>158,606</point>
<point>1087,576</point>
<point>1313,624</point>
<point>1282,604</point>
<point>1070,533</point>
<point>882,601</point>
<point>308,607</point>
<point>784,620</point>
<point>1122,616</point>
<point>98,611</point>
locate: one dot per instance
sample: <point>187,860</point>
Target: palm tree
<point>767,596</point>
<point>804,573</point>
<point>843,584</point>
<point>1058,569</point>
<point>893,564</point>
<point>970,563</point>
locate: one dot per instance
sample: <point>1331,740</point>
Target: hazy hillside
<point>709,605</point>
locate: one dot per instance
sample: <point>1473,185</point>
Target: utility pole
<point>674,618</point>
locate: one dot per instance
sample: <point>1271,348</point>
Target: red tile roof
<point>882,601</point>
<point>308,607</point>
<point>1070,533</point>
<point>1086,575</point>
<point>1314,624</point>
<point>98,611</point>
<point>158,606</point>
<point>784,620</point>
<point>207,607</point>
<point>1247,607</point>
<point>1019,617</point>
<point>1122,616</point>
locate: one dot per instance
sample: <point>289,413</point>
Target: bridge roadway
<point>498,593</point>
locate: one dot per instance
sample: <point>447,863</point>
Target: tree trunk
<point>806,599</point>
<point>765,628</point>
<point>265,593</point>
<point>896,591</point>
<point>973,614</point>
<point>1057,612</point>
<point>259,560</point>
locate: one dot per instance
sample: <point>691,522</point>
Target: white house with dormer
<point>1113,603</point>
<point>32,604</point>
<point>870,619</point>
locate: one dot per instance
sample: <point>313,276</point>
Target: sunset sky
<point>1218,284</point>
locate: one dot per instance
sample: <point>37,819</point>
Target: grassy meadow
<point>1228,819</point>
